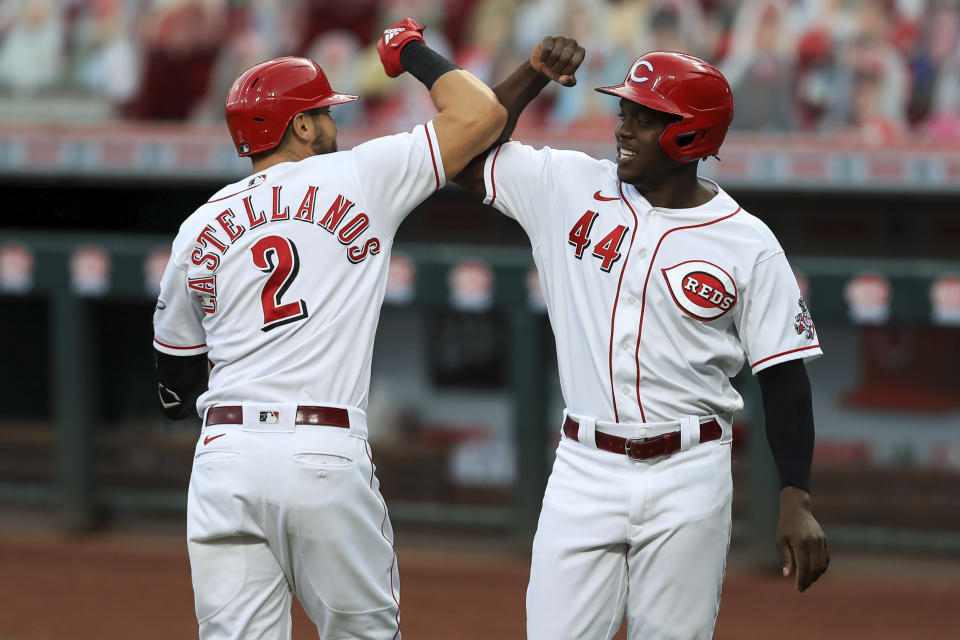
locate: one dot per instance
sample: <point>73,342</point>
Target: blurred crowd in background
<point>879,70</point>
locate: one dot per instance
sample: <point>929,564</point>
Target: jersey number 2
<point>278,257</point>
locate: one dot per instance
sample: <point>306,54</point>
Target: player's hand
<point>558,58</point>
<point>800,540</point>
<point>393,40</point>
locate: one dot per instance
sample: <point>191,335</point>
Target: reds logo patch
<point>701,289</point>
<point>803,323</point>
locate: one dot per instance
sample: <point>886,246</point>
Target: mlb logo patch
<point>269,417</point>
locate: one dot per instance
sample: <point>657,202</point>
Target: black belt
<point>643,448</point>
<point>327,416</point>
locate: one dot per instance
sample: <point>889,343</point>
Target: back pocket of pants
<point>214,456</point>
<point>323,460</point>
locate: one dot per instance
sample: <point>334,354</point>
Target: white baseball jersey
<point>653,309</point>
<point>280,277</point>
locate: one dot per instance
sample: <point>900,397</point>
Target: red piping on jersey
<point>170,346</point>
<point>616,300</point>
<point>436,174</point>
<point>813,346</point>
<point>493,165</point>
<point>643,300</point>
<point>234,194</point>
<point>383,522</point>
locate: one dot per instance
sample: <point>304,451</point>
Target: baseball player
<point>277,282</point>
<point>659,287</point>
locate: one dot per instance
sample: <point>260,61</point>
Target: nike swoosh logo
<point>601,198</point>
<point>210,439</point>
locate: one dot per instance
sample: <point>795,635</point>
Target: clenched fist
<point>392,42</point>
<point>558,58</point>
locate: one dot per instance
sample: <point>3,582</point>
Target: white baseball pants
<point>298,511</point>
<point>645,538</point>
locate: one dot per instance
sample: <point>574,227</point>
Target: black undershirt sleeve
<point>788,408</point>
<point>180,381</point>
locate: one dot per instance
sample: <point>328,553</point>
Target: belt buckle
<point>626,447</point>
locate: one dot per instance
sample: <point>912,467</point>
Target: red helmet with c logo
<point>266,97</point>
<point>684,86</point>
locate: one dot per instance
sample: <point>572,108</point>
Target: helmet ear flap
<point>688,138</point>
<point>686,145</point>
<point>678,141</point>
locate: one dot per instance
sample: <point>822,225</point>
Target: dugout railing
<point>71,273</point>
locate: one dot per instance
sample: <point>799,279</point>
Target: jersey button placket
<point>638,271</point>
<point>623,361</point>
<point>623,338</point>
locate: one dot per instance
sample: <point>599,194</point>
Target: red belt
<point>327,416</point>
<point>643,448</point>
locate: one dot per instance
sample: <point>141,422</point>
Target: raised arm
<point>469,118</point>
<point>554,58</point>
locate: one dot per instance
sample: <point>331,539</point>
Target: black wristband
<point>424,64</point>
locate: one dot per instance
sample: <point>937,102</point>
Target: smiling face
<point>640,158</point>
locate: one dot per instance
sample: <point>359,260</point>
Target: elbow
<point>501,117</point>
<point>493,118</point>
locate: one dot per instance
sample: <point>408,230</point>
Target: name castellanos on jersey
<point>214,241</point>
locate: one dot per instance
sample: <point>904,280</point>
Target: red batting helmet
<point>264,99</point>
<point>687,87</point>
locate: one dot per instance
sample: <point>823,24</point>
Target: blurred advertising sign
<point>945,300</point>
<point>471,285</point>
<point>534,293</point>
<point>90,271</point>
<point>945,455</point>
<point>402,279</point>
<point>153,267</point>
<point>17,267</point>
<point>868,296</point>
